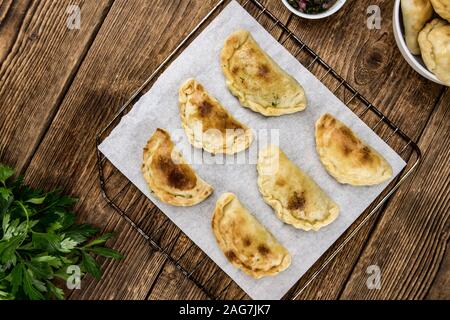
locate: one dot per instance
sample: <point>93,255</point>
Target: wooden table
<point>59,86</point>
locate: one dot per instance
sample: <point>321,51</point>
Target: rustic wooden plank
<point>370,61</point>
<point>440,288</point>
<point>39,57</point>
<point>98,89</point>
<point>172,283</point>
<point>414,228</point>
<point>135,37</point>
<point>12,15</point>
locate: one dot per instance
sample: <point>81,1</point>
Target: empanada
<point>169,176</point>
<point>295,197</point>
<point>208,124</point>
<point>245,242</point>
<point>434,42</point>
<point>442,8</point>
<point>256,80</point>
<point>416,14</point>
<point>347,158</point>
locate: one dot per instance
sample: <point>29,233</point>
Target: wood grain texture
<point>12,14</point>
<point>409,241</point>
<point>440,289</point>
<point>39,56</point>
<point>134,38</point>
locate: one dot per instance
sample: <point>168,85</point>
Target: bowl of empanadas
<point>422,33</point>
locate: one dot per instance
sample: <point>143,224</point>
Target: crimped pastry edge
<point>284,214</point>
<point>234,148</point>
<point>342,177</point>
<point>201,191</point>
<point>218,214</point>
<point>227,54</point>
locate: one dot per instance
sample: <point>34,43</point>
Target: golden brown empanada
<point>416,14</point>
<point>208,124</point>
<point>257,80</point>
<point>169,176</point>
<point>245,242</point>
<point>434,42</point>
<point>295,197</point>
<point>442,8</point>
<point>346,157</point>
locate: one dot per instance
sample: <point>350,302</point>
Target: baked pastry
<point>168,175</point>
<point>416,13</point>
<point>256,80</point>
<point>245,242</point>
<point>434,42</point>
<point>347,158</point>
<point>295,197</point>
<point>442,8</point>
<point>208,124</point>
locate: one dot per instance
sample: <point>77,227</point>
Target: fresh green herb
<point>39,240</point>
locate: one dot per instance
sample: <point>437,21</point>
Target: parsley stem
<point>25,210</point>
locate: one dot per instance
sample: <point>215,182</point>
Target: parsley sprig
<point>39,240</point>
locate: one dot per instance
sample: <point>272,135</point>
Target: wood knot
<point>374,61</point>
<point>33,36</point>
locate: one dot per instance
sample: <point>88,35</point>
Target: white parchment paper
<point>159,108</point>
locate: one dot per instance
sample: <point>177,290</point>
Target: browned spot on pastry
<point>205,108</point>
<point>347,149</point>
<point>263,250</point>
<point>199,87</point>
<point>179,176</point>
<point>280,182</point>
<point>326,117</point>
<point>297,201</point>
<point>247,242</point>
<point>235,70</point>
<point>231,255</point>
<point>165,164</point>
<point>366,154</point>
<point>211,114</point>
<point>161,131</point>
<point>347,136</point>
<point>179,179</point>
<point>216,118</point>
<point>263,70</point>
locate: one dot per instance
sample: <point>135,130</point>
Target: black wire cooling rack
<point>165,238</point>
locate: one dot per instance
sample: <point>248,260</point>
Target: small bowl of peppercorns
<point>313,9</point>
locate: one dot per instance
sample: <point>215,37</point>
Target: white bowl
<point>415,62</point>
<point>338,5</point>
